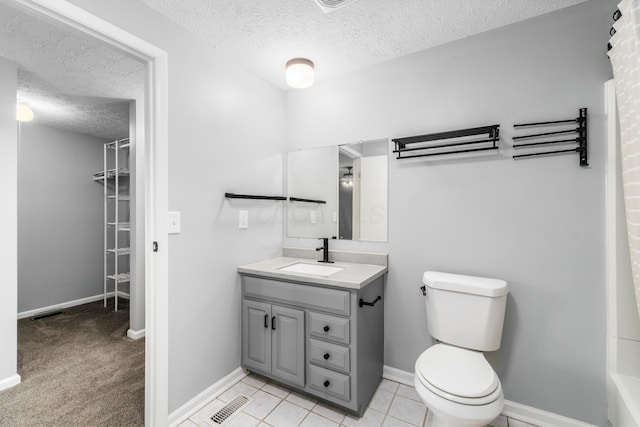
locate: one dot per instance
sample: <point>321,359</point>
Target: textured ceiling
<point>76,83</point>
<point>69,80</point>
<point>265,34</point>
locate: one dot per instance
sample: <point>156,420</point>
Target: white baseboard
<point>9,382</point>
<point>397,375</point>
<point>513,410</point>
<point>37,311</point>
<point>135,335</point>
<point>539,417</point>
<point>191,407</point>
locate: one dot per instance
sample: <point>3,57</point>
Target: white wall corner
<point>135,335</point>
<point>9,382</point>
<point>181,414</point>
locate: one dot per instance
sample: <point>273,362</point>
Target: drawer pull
<point>326,328</point>
<point>326,356</point>
<point>326,383</point>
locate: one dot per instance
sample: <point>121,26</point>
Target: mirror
<point>339,191</point>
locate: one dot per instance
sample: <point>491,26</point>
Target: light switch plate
<point>173,226</point>
<point>243,219</point>
<point>312,216</point>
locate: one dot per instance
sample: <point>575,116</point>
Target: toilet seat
<point>459,375</point>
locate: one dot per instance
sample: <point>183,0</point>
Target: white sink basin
<point>314,269</point>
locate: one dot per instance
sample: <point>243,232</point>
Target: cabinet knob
<point>326,328</point>
<point>326,356</point>
<point>326,383</point>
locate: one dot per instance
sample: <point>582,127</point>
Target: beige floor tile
<point>315,420</point>
<point>518,423</point>
<point>276,390</point>
<point>408,392</point>
<point>388,385</point>
<point>286,414</point>
<point>235,390</point>
<point>255,380</point>
<point>242,420</point>
<point>408,410</point>
<point>371,418</point>
<point>381,401</point>
<point>394,422</point>
<point>301,400</point>
<point>501,421</point>
<point>334,414</point>
<point>262,404</point>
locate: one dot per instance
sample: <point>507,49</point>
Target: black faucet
<point>325,250</point>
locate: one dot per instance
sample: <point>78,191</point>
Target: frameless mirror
<point>339,191</point>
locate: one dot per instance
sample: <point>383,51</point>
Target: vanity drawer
<point>328,327</point>
<point>329,355</point>
<point>332,383</point>
<point>315,297</point>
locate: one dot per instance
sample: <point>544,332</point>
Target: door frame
<point>155,189</point>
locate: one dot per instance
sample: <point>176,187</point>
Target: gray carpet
<point>78,369</point>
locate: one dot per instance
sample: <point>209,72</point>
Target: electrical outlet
<point>243,219</point>
<point>312,216</point>
<point>173,226</point>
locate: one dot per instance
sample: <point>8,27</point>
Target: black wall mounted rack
<point>461,141</point>
<point>253,197</point>
<point>580,138</point>
<point>281,198</point>
<point>297,199</point>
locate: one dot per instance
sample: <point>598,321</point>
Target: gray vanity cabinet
<point>315,338</point>
<point>273,340</point>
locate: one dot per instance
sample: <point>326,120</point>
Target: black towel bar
<point>580,139</point>
<point>437,140</point>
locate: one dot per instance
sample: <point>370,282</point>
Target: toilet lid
<point>460,372</point>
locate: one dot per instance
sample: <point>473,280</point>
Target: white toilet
<point>465,314</point>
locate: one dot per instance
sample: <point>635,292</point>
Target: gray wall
<point>536,223</point>
<point>9,221</point>
<point>60,217</point>
<point>226,133</point>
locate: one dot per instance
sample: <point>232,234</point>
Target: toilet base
<point>444,413</point>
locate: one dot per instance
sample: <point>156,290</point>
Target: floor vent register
<point>229,410</point>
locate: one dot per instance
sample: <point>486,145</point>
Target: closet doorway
<point>151,134</point>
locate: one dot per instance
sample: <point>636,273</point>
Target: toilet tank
<point>465,311</point>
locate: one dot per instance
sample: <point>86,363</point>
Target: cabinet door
<point>256,336</point>
<point>287,361</point>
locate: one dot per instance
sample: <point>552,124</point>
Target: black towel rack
<point>430,144</point>
<point>580,138</point>
<point>297,199</point>
<point>281,198</point>
<point>253,197</point>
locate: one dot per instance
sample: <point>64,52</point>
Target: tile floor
<point>392,405</point>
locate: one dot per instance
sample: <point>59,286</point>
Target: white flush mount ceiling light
<point>331,5</point>
<point>300,73</point>
<point>24,113</point>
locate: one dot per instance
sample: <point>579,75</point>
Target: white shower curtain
<point>625,60</point>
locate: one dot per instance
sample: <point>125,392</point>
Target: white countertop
<point>353,275</point>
